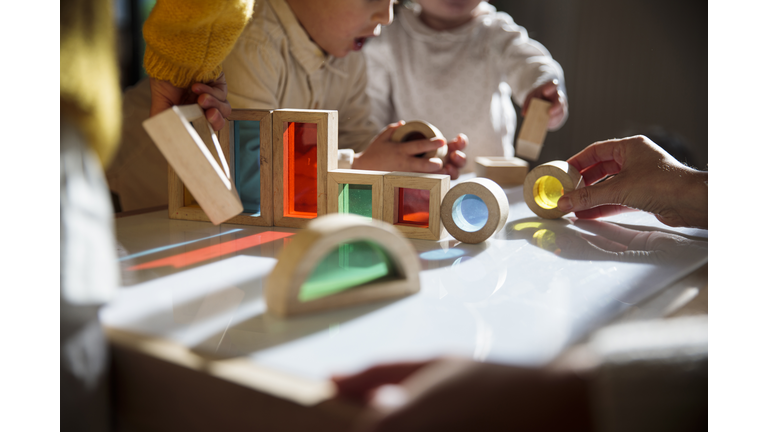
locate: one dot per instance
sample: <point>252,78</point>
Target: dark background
<point>631,67</point>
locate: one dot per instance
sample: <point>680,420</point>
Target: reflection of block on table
<point>502,170</point>
<point>305,148</point>
<point>357,192</point>
<point>196,158</point>
<point>412,203</point>
<point>340,260</point>
<point>534,130</point>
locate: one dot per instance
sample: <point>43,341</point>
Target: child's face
<point>449,11</point>
<point>341,26</point>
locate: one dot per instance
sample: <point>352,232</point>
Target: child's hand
<point>455,159</point>
<point>386,155</point>
<point>551,93</point>
<point>211,97</point>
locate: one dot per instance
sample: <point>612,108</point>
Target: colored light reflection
<point>356,199</point>
<point>210,252</point>
<point>469,213</point>
<point>300,170</point>
<point>545,239</point>
<point>523,225</point>
<point>247,146</point>
<point>163,248</point>
<point>440,254</point>
<point>412,207</point>
<point>349,265</point>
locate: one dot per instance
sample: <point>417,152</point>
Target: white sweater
<point>459,80</point>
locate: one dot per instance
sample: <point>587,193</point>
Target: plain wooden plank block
<point>534,130</point>
<point>495,201</point>
<point>502,170</point>
<point>327,159</point>
<point>321,236</point>
<point>357,177</point>
<point>541,196</point>
<point>419,129</point>
<point>188,154</point>
<point>436,184</point>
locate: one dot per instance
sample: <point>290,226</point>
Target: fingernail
<point>564,204</point>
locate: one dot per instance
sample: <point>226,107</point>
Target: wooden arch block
<point>325,236</point>
<point>195,157</point>
<point>534,130</point>
<point>417,129</point>
<point>305,148</point>
<point>546,183</point>
<point>339,182</point>
<point>474,210</point>
<point>412,203</point>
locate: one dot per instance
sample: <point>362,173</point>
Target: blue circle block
<point>469,213</point>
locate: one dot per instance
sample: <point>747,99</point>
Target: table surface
<point>192,293</point>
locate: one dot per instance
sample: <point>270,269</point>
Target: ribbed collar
<point>306,52</point>
<point>409,19</point>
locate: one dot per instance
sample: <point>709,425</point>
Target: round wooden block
<point>471,228</point>
<point>321,236</point>
<point>546,183</point>
<point>417,129</point>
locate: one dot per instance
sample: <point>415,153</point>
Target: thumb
<point>591,196</point>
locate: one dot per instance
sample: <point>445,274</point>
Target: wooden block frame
<point>495,201</point>
<point>358,177</point>
<point>436,184</point>
<point>502,170</point>
<point>180,206</point>
<point>191,147</point>
<point>299,259</point>
<point>565,173</point>
<point>534,130</point>
<point>327,159</point>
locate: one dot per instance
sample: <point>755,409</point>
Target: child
<point>455,65</point>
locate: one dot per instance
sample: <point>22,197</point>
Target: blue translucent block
<point>469,213</point>
<point>356,199</point>
<point>348,266</point>
<point>246,142</point>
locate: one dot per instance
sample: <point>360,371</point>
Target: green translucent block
<point>356,199</point>
<point>350,265</point>
<point>246,142</point>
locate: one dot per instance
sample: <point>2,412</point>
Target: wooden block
<point>340,177</point>
<point>474,210</point>
<point>546,183</point>
<point>185,208</point>
<point>296,287</point>
<point>502,170</point>
<point>300,165</point>
<point>406,205</point>
<point>188,154</point>
<point>416,130</point>
<point>534,130</point>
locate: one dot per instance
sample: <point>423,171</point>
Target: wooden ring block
<point>414,130</point>
<point>299,259</point>
<point>539,193</point>
<point>495,201</point>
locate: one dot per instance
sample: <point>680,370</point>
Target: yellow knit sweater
<point>188,39</point>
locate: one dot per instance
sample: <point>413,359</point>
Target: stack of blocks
<point>295,179</point>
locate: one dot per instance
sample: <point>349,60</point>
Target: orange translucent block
<point>412,207</point>
<point>300,170</point>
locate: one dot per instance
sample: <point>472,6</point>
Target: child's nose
<point>385,14</point>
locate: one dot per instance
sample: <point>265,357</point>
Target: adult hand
<point>459,395</point>
<point>549,92</point>
<point>386,155</point>
<point>212,98</point>
<point>645,177</point>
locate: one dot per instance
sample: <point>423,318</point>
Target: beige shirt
<point>461,80</point>
<point>275,64</point>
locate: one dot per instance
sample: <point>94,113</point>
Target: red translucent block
<point>412,207</point>
<point>300,170</point>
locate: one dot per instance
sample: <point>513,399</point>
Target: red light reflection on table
<point>206,253</point>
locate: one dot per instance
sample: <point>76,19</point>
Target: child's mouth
<point>359,42</point>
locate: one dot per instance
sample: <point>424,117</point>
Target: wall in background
<point>631,66</point>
